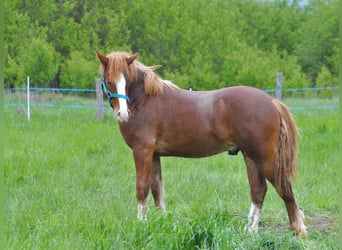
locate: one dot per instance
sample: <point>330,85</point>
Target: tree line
<point>204,44</point>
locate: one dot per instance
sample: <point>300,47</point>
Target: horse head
<point>113,68</point>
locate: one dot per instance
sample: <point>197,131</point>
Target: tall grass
<point>70,184</point>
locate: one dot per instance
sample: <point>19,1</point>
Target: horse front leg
<point>143,166</point>
<point>157,184</point>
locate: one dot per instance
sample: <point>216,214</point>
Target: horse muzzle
<point>123,116</point>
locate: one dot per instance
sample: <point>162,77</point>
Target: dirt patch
<point>322,223</point>
<point>326,223</point>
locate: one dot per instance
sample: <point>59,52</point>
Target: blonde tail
<point>285,164</point>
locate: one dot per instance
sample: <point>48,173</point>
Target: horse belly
<point>193,147</point>
<point>194,133</point>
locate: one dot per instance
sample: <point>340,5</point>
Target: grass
<point>70,184</point>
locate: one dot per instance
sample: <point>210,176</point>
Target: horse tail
<point>285,160</point>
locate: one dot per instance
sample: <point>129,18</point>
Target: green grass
<point>70,184</point>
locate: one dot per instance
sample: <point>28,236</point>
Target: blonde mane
<point>153,83</point>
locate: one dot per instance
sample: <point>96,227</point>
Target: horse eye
<point>110,83</point>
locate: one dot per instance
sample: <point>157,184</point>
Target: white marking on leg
<point>142,211</point>
<point>122,114</point>
<point>299,226</point>
<point>161,201</point>
<point>253,219</point>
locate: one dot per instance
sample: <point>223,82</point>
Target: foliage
<point>203,44</point>
<point>72,75</point>
<point>319,36</point>
<point>325,79</point>
<point>37,59</point>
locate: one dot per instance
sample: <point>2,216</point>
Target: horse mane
<point>153,83</point>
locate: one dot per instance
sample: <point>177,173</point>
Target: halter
<point>109,94</point>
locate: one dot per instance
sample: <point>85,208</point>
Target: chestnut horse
<point>157,118</point>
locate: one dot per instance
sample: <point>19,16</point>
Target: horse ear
<point>132,58</point>
<point>103,59</point>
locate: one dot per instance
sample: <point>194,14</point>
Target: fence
<point>66,90</point>
<point>60,97</point>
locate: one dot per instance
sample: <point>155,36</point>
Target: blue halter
<point>109,94</point>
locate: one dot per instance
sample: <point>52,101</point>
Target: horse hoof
<point>250,231</point>
<point>301,232</point>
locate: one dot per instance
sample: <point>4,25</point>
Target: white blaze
<point>122,114</point>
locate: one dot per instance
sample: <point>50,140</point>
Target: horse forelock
<point>153,83</point>
<point>117,65</point>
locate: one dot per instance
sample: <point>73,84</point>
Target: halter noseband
<point>109,94</point>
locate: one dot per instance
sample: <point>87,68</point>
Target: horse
<point>157,118</point>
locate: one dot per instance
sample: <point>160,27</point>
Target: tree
<point>78,72</point>
<point>210,44</point>
<point>319,38</point>
<point>28,52</point>
<point>37,60</point>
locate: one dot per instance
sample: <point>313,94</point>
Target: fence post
<point>279,84</point>
<point>99,98</point>
<point>28,99</point>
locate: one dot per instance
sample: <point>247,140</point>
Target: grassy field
<point>70,184</point>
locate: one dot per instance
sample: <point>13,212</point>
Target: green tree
<point>37,60</point>
<point>22,41</point>
<point>78,72</point>
<point>270,24</point>
<point>319,38</point>
<point>205,44</point>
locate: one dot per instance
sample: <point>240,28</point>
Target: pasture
<point>70,184</point>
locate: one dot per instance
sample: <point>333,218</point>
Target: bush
<point>78,72</point>
<point>37,59</point>
<point>325,79</point>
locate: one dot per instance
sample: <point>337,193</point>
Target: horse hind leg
<point>157,184</point>
<point>258,189</point>
<point>295,214</point>
<point>285,167</point>
<point>282,184</point>
<point>257,175</point>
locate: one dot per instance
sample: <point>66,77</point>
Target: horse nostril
<point>122,116</point>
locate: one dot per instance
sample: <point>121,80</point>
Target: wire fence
<point>86,98</point>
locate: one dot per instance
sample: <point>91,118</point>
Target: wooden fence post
<point>99,97</point>
<point>279,84</point>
